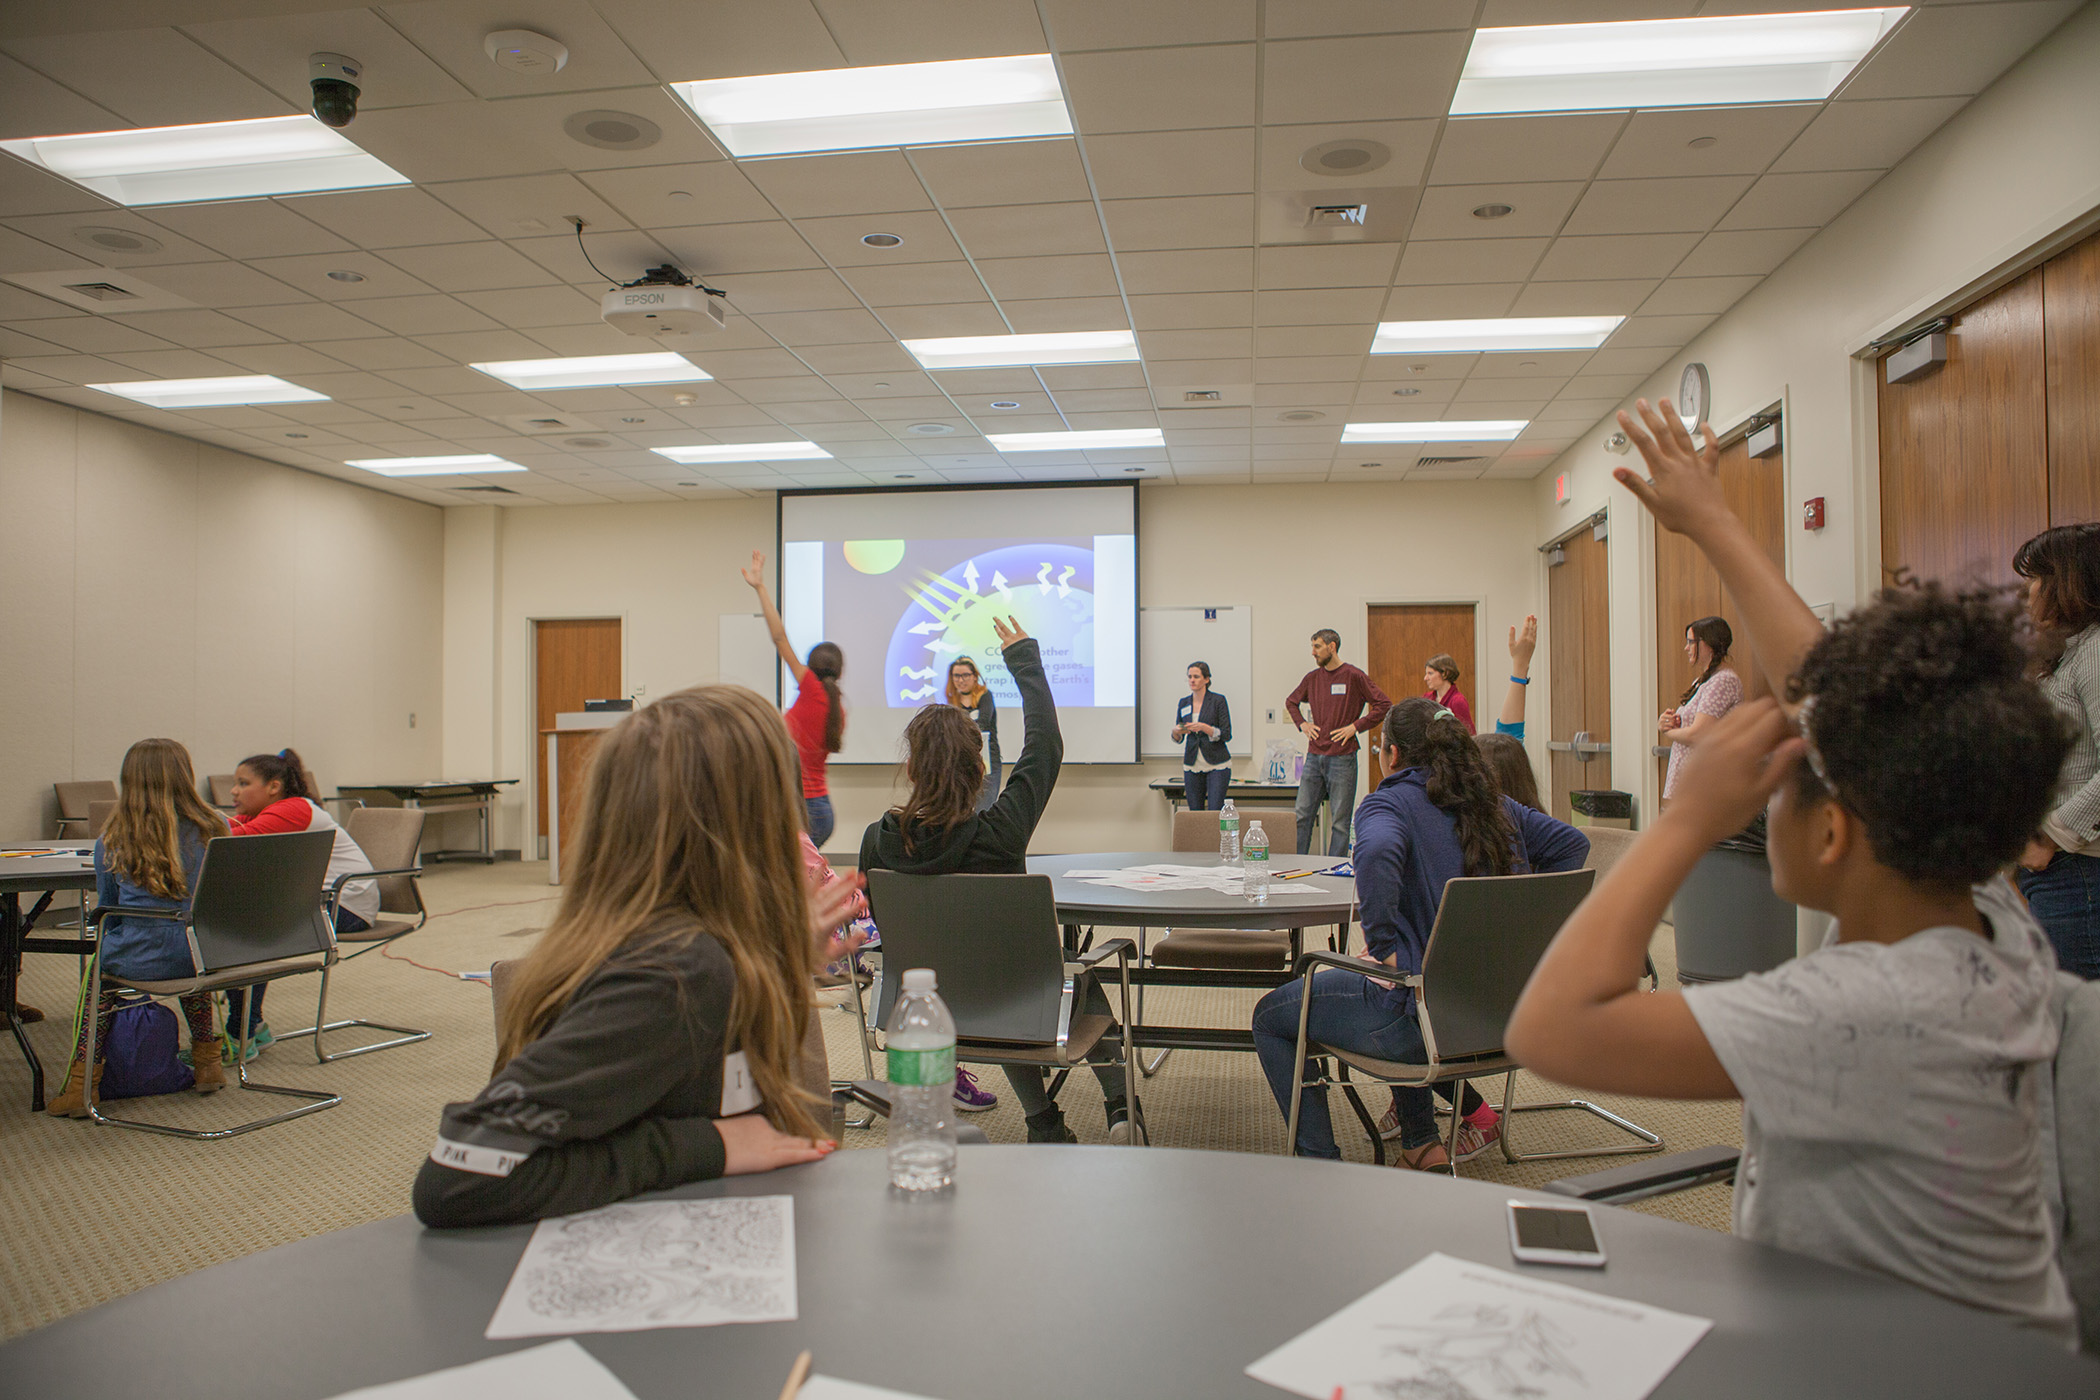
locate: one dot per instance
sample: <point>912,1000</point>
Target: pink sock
<point>1483,1117</point>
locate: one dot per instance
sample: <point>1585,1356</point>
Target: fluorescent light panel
<point>1707,62</point>
<point>1499,333</point>
<point>594,371</point>
<point>1006,351</point>
<point>703,453</point>
<point>904,104</point>
<point>1479,430</point>
<point>226,392</point>
<point>475,464</point>
<point>1090,440</point>
<point>214,160</point>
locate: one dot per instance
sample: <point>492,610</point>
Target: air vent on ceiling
<point>538,424</point>
<point>101,291</point>
<point>485,490</point>
<point>1445,461</point>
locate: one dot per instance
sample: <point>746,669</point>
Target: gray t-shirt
<point>1890,1122</point>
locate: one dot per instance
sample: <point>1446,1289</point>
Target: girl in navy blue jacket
<point>1439,816</point>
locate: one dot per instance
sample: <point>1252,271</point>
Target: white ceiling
<point>1172,212</point>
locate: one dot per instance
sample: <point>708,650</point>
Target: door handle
<point>1559,746</point>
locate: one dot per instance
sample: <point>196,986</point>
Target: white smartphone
<point>1541,1234</point>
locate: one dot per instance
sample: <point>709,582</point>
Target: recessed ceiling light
<point>881,240</point>
<point>343,274</point>
<point>1088,440</point>
<point>1483,430</point>
<point>471,464</point>
<point>742,452</point>
<point>225,392</point>
<point>1493,211</point>
<point>905,104</point>
<point>1495,333</point>
<point>214,160</point>
<point>1010,351</point>
<point>1004,404</point>
<point>1703,62</point>
<point>594,371</point>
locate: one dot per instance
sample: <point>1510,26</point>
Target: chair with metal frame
<point>74,800</point>
<point>255,916</point>
<point>994,943</point>
<point>219,788</point>
<point>1490,933</point>
<point>389,839</point>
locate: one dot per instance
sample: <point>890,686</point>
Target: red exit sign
<point>1560,488</point>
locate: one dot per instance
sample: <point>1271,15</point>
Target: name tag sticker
<point>739,1090</point>
<point>1184,709</point>
<point>483,1161</point>
<point>1338,689</point>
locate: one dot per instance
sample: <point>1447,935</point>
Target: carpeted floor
<point>93,1213</point>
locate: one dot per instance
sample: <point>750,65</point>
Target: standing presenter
<point>1203,723</point>
<point>1344,703</point>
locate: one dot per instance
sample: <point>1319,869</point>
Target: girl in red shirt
<point>817,719</point>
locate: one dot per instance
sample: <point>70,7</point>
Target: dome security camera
<point>335,78</point>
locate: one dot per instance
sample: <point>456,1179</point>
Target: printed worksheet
<point>555,1371</point>
<point>832,1388</point>
<point>631,1267</point>
<point>1447,1329</point>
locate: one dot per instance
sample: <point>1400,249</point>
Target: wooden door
<point>1964,449</point>
<point>1402,639</point>
<point>1578,633</point>
<point>2071,345</point>
<point>574,660</point>
<point>1687,588</point>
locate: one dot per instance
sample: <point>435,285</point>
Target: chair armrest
<point>103,912</point>
<point>1308,961</point>
<point>1117,947</point>
<point>335,886</point>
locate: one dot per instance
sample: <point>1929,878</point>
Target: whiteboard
<point>1168,640</point>
<point>745,655</point>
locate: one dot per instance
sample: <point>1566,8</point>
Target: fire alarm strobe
<point>1812,513</point>
<point>662,302</point>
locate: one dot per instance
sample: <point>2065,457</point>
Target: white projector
<point>655,309</point>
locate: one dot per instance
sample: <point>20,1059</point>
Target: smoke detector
<point>524,51</point>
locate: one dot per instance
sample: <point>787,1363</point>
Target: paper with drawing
<point>553,1371</point>
<point>629,1267</point>
<point>1449,1330</point>
<point>1165,878</point>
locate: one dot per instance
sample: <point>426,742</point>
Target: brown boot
<point>204,1059</point>
<point>71,1102</point>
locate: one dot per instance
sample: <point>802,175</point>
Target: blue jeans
<point>821,820</point>
<point>1349,1013</point>
<point>1334,777</point>
<point>2065,898</point>
<point>1206,790</point>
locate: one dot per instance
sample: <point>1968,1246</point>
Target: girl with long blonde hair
<point>149,855</point>
<point>651,1036</point>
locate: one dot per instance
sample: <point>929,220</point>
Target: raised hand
<point>755,572</point>
<point>1008,631</point>
<point>1522,645</point>
<point>1683,486</point>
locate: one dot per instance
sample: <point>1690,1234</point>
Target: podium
<point>570,744</point>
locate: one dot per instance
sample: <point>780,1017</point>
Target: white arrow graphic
<point>920,694</point>
<point>928,628</point>
<point>999,582</point>
<point>1043,578</point>
<point>943,648</point>
<point>1064,581</point>
<point>970,575</point>
<point>909,674</point>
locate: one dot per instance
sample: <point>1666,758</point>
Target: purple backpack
<point>140,1053</point>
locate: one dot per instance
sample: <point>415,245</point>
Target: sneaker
<point>1050,1126</point>
<point>1472,1142</point>
<point>970,1096</point>
<point>1389,1126</point>
<point>257,1039</point>
<point>1121,1133</point>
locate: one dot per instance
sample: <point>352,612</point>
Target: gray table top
<point>1052,1272</point>
<point>1084,903</point>
<point>69,867</point>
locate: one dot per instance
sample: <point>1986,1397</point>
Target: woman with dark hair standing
<point>817,719</point>
<point>968,693</point>
<point>1203,723</point>
<point>1717,691</point>
<point>2060,869</point>
<point>1439,816</point>
<point>1440,674</point>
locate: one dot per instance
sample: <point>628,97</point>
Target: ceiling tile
<point>249,228</point>
<point>782,36</point>
<point>524,205</point>
<point>1288,19</point>
<point>1164,89</point>
<point>1867,135</point>
<point>932,322</point>
<point>1134,165</point>
<point>1304,369</point>
<point>468,346</point>
<point>1799,201</point>
<point>1116,24</point>
<point>1054,314</point>
<point>1470,260</point>
<point>150,77</point>
<point>450,141</point>
<point>1686,296</point>
<point>25,190</point>
<point>1630,360</point>
<point>527,307</point>
<point>749,364</point>
<point>1672,331</point>
<point>1193,310</point>
<point>274,49</point>
<point>1531,364</point>
<point>383,352</point>
<point>1752,251</point>
<point>451,33</point>
<point>759,293</point>
<point>1060,377</point>
<point>1597,298</point>
<point>929,31</point>
<point>1331,265</point>
<point>1030,278</point>
<point>1029,230</point>
<point>1945,49</point>
<point>1512,13</point>
<point>101,335</point>
<point>1283,149</point>
<point>1196,221</point>
<point>1738,140</point>
<point>1456,301</point>
<point>469,267</point>
<point>1006,172</point>
<point>1320,306</point>
<point>1632,255</point>
<point>424,315</point>
<point>925,234</point>
<point>1202,270</point>
<point>541,124</point>
<point>60,231</point>
<point>1365,78</point>
<point>1205,344</point>
<point>729,249</point>
<point>309,321</point>
<point>861,182</point>
<point>966,384</point>
<point>201,329</point>
<point>884,359</point>
<point>33,105</point>
<point>280,359</point>
<point>1312,340</point>
<point>668,196</point>
<point>916,284</point>
<point>220,284</point>
<point>1689,204</point>
<point>308,274</point>
<point>1485,150</point>
<point>1536,210</point>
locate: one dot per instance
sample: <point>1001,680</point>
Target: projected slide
<point>905,606</point>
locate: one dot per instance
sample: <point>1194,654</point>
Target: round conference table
<point>1082,902</point>
<point>1051,1272</point>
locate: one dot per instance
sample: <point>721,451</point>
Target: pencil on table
<point>796,1375</point>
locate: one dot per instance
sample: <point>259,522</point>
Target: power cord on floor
<point>386,949</point>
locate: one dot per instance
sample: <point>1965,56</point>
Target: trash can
<point>1602,807</point>
<point>1729,922</point>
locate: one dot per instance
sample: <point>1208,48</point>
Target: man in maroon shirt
<point>1344,704</point>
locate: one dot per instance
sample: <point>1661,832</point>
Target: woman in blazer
<point>1204,725</point>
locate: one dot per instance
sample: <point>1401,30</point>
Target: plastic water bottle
<point>1256,881</point>
<point>1229,834</point>
<point>922,1088</point>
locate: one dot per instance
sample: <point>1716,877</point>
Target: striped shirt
<point>2074,688</point>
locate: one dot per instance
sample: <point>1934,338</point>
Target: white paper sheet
<point>1450,1330</point>
<point>631,1267</point>
<point>1164,878</point>
<point>555,1371</point>
<point>832,1388</point>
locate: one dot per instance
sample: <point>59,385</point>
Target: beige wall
<point>154,585</point>
<point>1301,558</point>
<point>2012,176</point>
